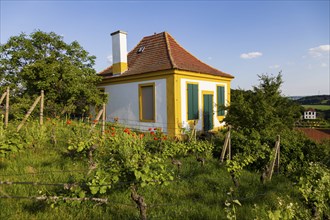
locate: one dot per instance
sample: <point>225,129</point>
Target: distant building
<point>310,114</point>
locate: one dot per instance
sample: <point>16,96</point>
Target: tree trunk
<point>139,200</point>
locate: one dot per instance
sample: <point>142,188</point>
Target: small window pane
<point>147,93</point>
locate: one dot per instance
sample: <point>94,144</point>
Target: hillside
<point>46,173</point>
<point>321,103</point>
<point>314,100</point>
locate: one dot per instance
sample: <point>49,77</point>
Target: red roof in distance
<point>161,52</point>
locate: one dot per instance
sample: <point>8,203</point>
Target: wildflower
<point>68,122</point>
<point>95,121</point>
<point>155,138</point>
<point>126,130</point>
<point>112,128</point>
<point>113,134</point>
<point>165,138</point>
<point>152,133</point>
<point>155,129</point>
<point>149,129</point>
<point>141,136</point>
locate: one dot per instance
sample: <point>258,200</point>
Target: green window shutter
<point>221,100</point>
<point>192,101</point>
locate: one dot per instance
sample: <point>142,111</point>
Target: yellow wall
<point>173,90</point>
<point>118,68</point>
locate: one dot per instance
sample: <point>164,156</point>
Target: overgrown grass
<point>197,192</point>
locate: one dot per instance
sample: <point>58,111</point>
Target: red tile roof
<point>162,52</point>
<point>316,134</point>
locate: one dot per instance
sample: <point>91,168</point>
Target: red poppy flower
<point>152,133</point>
<point>126,130</point>
<point>155,138</point>
<point>149,129</point>
<point>68,122</point>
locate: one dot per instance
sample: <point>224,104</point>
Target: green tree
<point>257,116</point>
<point>263,108</point>
<point>43,61</point>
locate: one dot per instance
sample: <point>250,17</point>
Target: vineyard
<point>73,169</point>
<point>54,167</point>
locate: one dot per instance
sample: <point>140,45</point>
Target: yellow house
<point>160,84</point>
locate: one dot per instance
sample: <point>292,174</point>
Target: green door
<point>208,112</point>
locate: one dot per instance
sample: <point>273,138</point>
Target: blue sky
<point>243,38</point>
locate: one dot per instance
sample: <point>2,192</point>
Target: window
<point>147,102</point>
<point>192,100</point>
<point>141,49</point>
<point>220,100</point>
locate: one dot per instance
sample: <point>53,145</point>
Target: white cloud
<point>324,64</point>
<point>276,66</point>
<point>250,55</point>
<point>109,59</point>
<point>319,51</point>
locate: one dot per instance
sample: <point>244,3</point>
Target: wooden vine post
<point>7,108</point>
<point>193,130</point>
<point>30,111</point>
<point>103,119</point>
<point>275,160</point>
<point>98,116</point>
<point>42,108</point>
<point>226,147</point>
<point>6,94</point>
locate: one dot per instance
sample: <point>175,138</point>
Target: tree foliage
<point>257,116</point>
<point>263,108</point>
<point>43,61</point>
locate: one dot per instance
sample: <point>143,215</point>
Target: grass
<point>318,107</point>
<point>197,192</point>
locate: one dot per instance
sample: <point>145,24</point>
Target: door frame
<point>207,92</point>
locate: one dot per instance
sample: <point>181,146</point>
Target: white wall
<point>309,115</point>
<point>202,86</point>
<point>124,104</point>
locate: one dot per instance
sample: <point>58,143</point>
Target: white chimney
<point>119,52</point>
